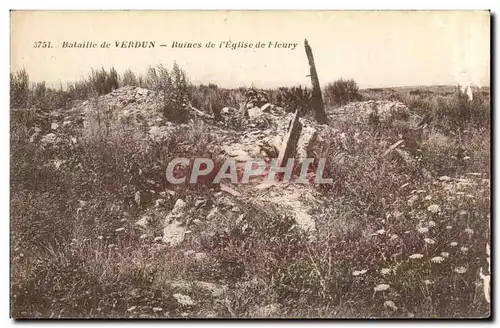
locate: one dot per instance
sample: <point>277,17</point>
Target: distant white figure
<point>468,91</point>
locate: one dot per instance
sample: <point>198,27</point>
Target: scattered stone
<point>143,222</point>
<point>200,202</point>
<point>230,190</point>
<point>183,299</point>
<point>54,126</point>
<point>174,233</point>
<point>306,143</point>
<point>177,212</point>
<point>212,213</point>
<point>270,310</point>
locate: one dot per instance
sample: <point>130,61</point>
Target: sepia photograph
<point>228,164</point>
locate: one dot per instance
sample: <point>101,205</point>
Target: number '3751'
<point>42,44</point>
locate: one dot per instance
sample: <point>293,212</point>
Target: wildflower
<point>449,227</point>
<point>434,208</point>
<point>422,229</point>
<point>416,256</point>
<point>453,244</point>
<point>429,241</point>
<point>469,231</point>
<point>385,271</point>
<point>381,287</point>
<point>445,254</point>
<point>120,229</point>
<point>460,269</point>
<point>390,304</point>
<point>359,272</point>
<point>437,259</point>
<point>464,249</point>
<point>431,224</point>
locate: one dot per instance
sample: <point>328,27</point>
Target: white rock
<point>143,222</point>
<point>174,233</point>
<point>183,299</point>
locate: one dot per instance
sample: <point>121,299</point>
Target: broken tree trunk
<point>289,144</point>
<point>317,99</point>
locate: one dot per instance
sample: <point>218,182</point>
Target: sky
<point>375,48</point>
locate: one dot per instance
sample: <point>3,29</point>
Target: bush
<point>19,89</point>
<point>342,92</point>
<point>295,98</point>
<point>129,78</point>
<point>103,82</point>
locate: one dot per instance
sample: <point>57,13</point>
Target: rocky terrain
<point>211,239</point>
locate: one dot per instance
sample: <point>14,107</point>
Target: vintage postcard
<point>250,164</point>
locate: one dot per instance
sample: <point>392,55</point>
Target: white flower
<point>381,287</point>
<point>437,259</point>
<point>434,208</point>
<point>416,256</point>
<point>469,231</point>
<point>445,254</point>
<point>460,269</point>
<point>449,227</point>
<point>390,304</point>
<point>453,244</point>
<point>385,271</point>
<point>429,241</point>
<point>359,272</point>
<point>464,249</point>
<point>431,224</point>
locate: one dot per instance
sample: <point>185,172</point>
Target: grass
<point>400,235</point>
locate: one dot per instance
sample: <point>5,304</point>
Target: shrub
<point>103,82</point>
<point>342,91</point>
<point>294,98</point>
<point>129,78</point>
<point>19,89</point>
